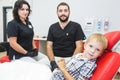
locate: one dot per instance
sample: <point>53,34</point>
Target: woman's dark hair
<point>18,4</point>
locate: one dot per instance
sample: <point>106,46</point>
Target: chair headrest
<point>113,37</point>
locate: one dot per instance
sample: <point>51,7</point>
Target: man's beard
<point>64,19</point>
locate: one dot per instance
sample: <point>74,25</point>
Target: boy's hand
<point>61,64</point>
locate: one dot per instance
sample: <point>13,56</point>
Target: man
<point>64,37</point>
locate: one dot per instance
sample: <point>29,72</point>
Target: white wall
<point>6,3</point>
<point>44,13</point>
<point>3,3</point>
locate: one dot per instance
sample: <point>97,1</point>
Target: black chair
<point>4,46</point>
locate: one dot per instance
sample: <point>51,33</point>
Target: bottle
<point>99,25</point>
<point>106,24</point>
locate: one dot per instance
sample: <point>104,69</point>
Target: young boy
<point>82,65</point>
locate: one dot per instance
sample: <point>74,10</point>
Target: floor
<point>2,54</point>
<point>117,77</point>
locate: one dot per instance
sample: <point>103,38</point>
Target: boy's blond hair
<point>99,37</point>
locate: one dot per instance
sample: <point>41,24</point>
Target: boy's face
<point>93,49</point>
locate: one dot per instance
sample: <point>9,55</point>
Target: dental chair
<point>109,63</point>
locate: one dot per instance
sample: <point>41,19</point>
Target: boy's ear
<point>104,51</point>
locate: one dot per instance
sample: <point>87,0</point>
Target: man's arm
<point>51,55</point>
<point>79,47</point>
<point>49,47</point>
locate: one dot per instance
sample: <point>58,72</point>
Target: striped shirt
<point>79,68</point>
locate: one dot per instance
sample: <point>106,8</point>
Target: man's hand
<point>53,65</point>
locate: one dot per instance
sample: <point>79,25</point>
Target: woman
<point>20,33</point>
